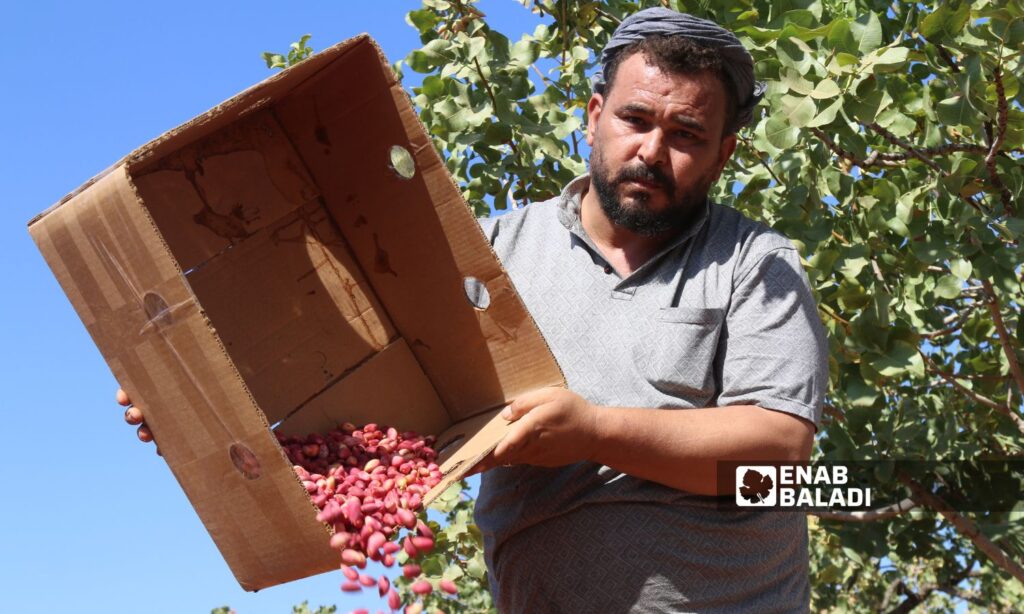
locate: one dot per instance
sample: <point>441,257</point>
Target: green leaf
<point>955,111</point>
<point>867,32</point>
<point>887,60</point>
<point>476,568</point>
<point>827,116</point>
<point>859,393</point>
<point>525,52</point>
<point>948,287</point>
<point>866,105</point>
<point>780,133</point>
<point>961,268</point>
<point>901,358</point>
<point>826,88</point>
<point>791,53</point>
<point>798,111</point>
<point>274,60</point>
<point>423,20</point>
<point>840,36</point>
<point>946,21</point>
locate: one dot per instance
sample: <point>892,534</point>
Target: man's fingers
<point>525,403</point>
<point>133,415</point>
<point>504,453</point>
<point>122,397</point>
<point>480,467</point>
<point>145,435</point>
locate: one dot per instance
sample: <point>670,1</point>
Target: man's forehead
<point>644,87</point>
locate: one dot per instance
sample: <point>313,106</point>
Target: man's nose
<point>652,150</point>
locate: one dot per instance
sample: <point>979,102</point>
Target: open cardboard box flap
<point>296,257</point>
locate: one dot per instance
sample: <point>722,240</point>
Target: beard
<point>637,216</point>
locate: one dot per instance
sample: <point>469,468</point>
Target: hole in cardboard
<point>156,309</point>
<point>402,162</point>
<point>245,461</point>
<point>477,293</point>
<point>444,446</point>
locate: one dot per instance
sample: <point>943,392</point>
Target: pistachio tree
<point>888,149</point>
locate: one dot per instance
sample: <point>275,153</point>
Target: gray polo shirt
<point>721,316</point>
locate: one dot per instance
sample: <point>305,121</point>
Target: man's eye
<point>683,134</point>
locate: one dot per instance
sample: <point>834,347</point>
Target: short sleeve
<point>773,350</point>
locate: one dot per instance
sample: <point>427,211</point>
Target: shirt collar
<point>571,199</point>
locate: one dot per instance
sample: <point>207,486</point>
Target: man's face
<point>656,145</point>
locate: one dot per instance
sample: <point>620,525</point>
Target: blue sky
<point>93,520</point>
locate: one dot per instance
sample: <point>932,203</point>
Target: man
<point>602,497</point>
<point>651,297</point>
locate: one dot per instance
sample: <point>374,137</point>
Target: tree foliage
<point>888,148</point>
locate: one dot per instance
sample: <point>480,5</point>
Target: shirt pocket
<point>675,353</point>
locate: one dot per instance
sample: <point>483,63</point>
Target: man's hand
<point>551,427</point>
<point>677,448</point>
<point>133,416</point>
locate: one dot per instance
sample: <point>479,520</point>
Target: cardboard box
<point>296,257</point>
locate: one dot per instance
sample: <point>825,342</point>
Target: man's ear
<point>594,108</point>
<point>725,151</point>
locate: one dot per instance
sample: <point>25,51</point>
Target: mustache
<point>647,174</point>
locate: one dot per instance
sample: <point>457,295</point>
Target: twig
<point>833,411</point>
<point>879,276</point>
<point>1004,336</point>
<point>947,57</point>
<point>870,515</point>
<point>835,316</point>
<point>965,526</point>
<point>941,150</point>
<point>890,592</point>
<point>760,159</point>
<point>565,32</point>
<point>545,79</point>
<point>997,142</point>
<point>950,378</point>
<point>494,101</point>
<point>915,599</point>
<point>895,140</point>
<point>873,159</point>
<point>954,323</point>
<point>607,15</point>
<point>487,85</point>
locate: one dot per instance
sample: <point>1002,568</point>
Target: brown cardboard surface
<point>265,262</point>
<point>104,248</point>
<point>289,306</point>
<point>416,257</point>
<point>389,389</point>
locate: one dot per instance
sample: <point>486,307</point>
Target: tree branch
<point>955,322</point>
<point>965,526</point>
<point>835,316</point>
<point>913,600</point>
<point>873,159</point>
<point>833,411</point>
<point>941,150</point>
<point>950,378</point>
<point>881,513</point>
<point>947,57</point>
<point>760,159</point>
<point>997,143</point>
<point>895,140</point>
<point>1004,336</point>
<point>890,592</point>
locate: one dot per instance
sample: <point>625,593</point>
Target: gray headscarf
<point>736,59</point>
